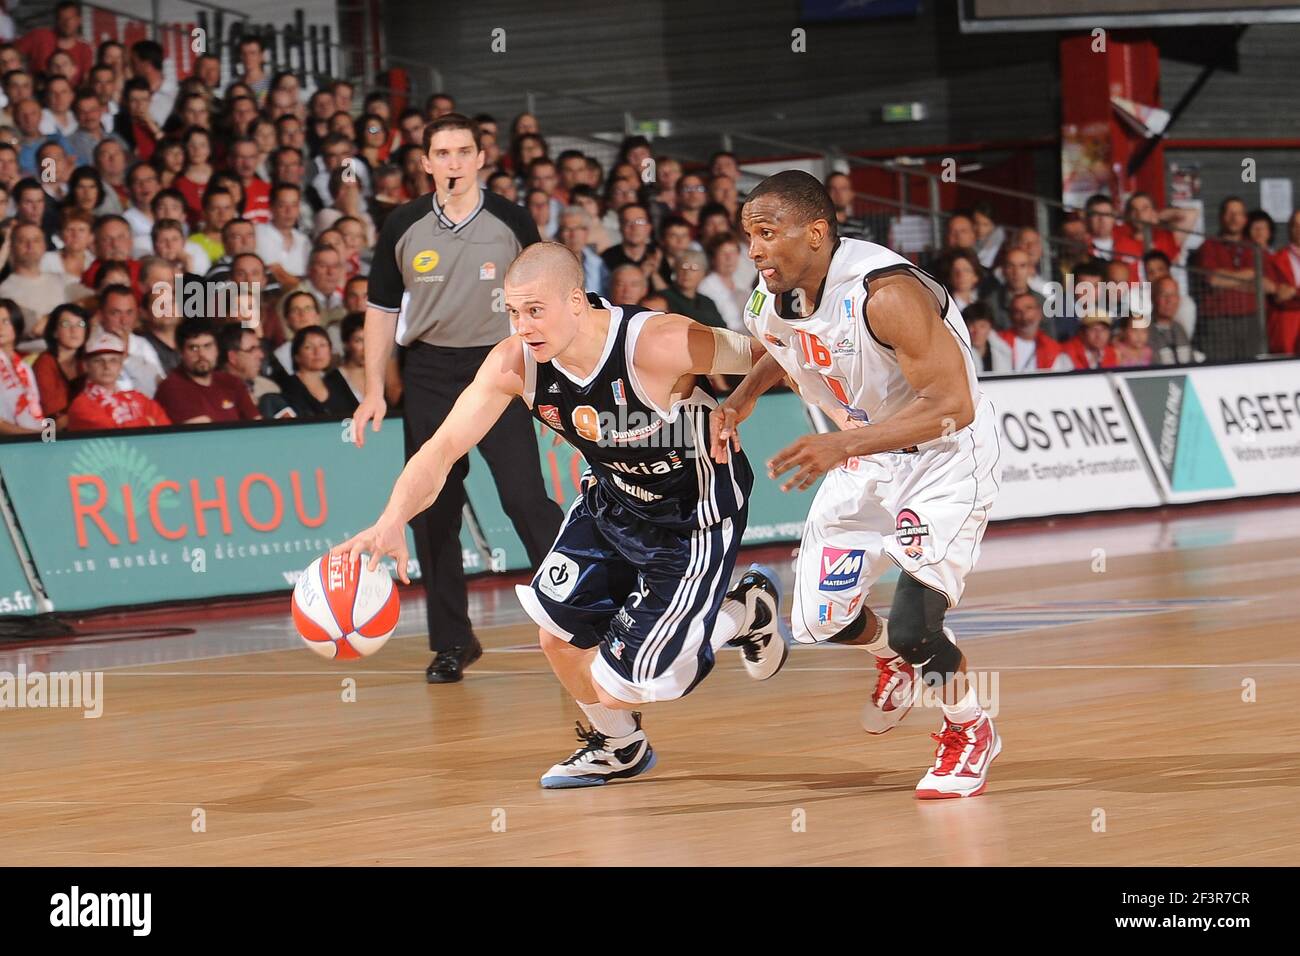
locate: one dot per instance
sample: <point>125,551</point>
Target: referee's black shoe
<point>448,667</point>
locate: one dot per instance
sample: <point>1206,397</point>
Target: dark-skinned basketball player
<point>632,601</point>
<point>910,475</point>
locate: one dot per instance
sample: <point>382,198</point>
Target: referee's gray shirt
<point>442,277</point>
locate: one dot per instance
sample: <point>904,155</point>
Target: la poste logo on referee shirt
<point>425,261</point>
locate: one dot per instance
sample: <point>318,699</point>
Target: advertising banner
<point>1220,432</point>
<point>1067,448</point>
<point>147,517</point>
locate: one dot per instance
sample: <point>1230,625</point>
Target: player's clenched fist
<point>379,540</point>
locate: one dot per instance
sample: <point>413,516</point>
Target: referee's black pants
<point>432,380</point>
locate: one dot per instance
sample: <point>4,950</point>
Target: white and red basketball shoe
<point>898,688</point>
<point>961,762</point>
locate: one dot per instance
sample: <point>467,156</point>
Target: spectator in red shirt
<point>39,44</point>
<point>1227,326</point>
<point>1092,348</point>
<point>113,242</point>
<point>134,124</point>
<point>58,369</point>
<point>101,404</point>
<point>195,393</point>
<point>1284,304</point>
<point>244,158</point>
<point>20,399</point>
<point>1145,225</point>
<point>1032,350</point>
<point>1103,243</point>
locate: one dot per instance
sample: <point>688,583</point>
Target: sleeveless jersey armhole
<point>928,282</point>
<point>634,327</point>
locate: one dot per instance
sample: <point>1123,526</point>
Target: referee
<point>438,271</point>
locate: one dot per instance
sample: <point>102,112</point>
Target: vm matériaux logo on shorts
<point>840,569</point>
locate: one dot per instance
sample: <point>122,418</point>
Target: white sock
<point>731,618</point>
<point>966,709</point>
<point>879,645</point>
<point>610,721</point>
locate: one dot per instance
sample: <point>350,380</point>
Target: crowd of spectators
<point>124,190</point>
<point>1139,292</point>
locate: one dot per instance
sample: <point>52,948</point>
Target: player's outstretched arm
<point>903,315</point>
<point>724,420</point>
<point>673,345</point>
<point>498,381</point>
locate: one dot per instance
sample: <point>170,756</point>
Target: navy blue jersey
<point>651,462</point>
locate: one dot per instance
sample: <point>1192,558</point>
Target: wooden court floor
<point>1148,713</point>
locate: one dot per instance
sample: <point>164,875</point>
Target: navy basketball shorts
<point>646,595</point>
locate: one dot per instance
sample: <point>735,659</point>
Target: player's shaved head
<point>549,263</point>
<point>800,196</point>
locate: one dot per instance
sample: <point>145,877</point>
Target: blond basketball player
<point>880,346</point>
<point>632,601</point>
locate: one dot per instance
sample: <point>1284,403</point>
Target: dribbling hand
<point>379,541</point>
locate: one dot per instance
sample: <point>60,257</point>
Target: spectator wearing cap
<point>36,292</point>
<point>683,295</point>
<point>1032,350</point>
<point>991,352</point>
<point>39,44</point>
<point>1099,216</point>
<point>719,285</point>
<point>195,392</point>
<point>1091,347</point>
<point>1284,303</point>
<point>59,376</point>
<point>241,355</point>
<point>103,402</point>
<point>315,390</point>
<point>20,398</point>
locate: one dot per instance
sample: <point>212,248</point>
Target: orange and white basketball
<point>342,610</point>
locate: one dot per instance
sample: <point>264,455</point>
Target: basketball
<point>343,610</point>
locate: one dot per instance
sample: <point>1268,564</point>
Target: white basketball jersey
<point>832,354</point>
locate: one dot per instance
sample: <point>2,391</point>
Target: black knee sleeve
<point>853,630</point>
<point>916,629</point>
